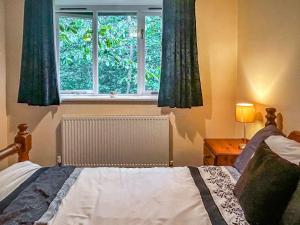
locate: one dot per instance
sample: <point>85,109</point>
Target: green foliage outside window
<point>153,52</point>
<point>75,40</point>
<point>117,54</point>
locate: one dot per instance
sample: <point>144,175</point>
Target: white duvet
<point>156,196</point>
<point>112,196</point>
<point>14,176</point>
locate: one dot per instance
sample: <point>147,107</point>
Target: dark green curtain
<point>38,81</point>
<point>180,78</point>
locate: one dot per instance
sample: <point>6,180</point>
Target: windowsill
<point>106,98</point>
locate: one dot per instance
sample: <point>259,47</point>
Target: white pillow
<point>285,148</point>
<point>13,176</point>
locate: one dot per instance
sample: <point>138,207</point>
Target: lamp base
<point>242,146</point>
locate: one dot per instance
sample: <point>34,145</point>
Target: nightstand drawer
<point>225,160</point>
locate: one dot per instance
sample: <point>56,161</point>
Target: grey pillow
<point>243,159</point>
<point>266,186</point>
<point>291,215</point>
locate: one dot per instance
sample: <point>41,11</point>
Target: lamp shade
<point>245,112</point>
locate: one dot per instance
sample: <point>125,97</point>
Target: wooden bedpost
<point>24,139</point>
<point>271,117</point>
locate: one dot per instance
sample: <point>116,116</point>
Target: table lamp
<point>245,113</point>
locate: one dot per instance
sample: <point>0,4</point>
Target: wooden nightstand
<point>221,152</point>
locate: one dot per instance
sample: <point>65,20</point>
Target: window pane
<point>153,35</point>
<point>117,36</point>
<point>75,52</point>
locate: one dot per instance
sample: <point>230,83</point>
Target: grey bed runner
<point>5,202</point>
<point>30,201</point>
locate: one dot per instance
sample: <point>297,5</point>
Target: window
<point>109,52</point>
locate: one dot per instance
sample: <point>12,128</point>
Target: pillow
<point>13,176</point>
<point>291,215</point>
<point>243,159</point>
<point>285,148</point>
<point>266,186</point>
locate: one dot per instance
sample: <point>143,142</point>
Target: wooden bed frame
<point>21,146</point>
<point>23,142</point>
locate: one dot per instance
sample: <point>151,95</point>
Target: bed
<point>30,194</point>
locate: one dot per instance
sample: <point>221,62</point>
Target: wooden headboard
<point>271,120</point>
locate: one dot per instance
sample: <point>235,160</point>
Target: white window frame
<point>92,95</point>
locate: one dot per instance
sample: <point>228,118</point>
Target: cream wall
<point>269,56</point>
<point>217,41</point>
<point>3,119</point>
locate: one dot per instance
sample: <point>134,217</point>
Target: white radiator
<point>115,141</point>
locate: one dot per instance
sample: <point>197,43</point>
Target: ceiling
<point>108,2</point>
